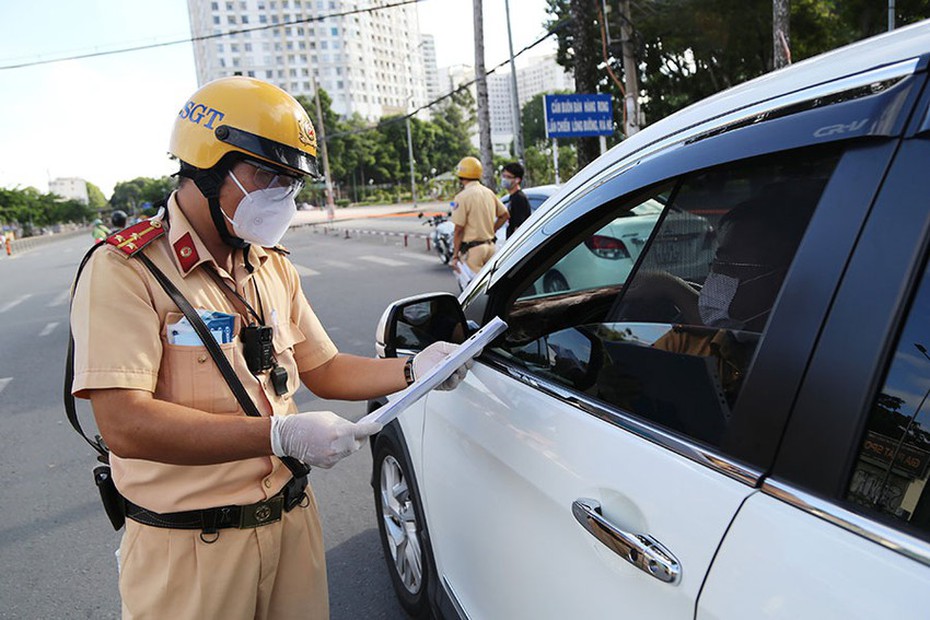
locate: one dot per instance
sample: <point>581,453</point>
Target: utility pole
<point>630,83</point>
<point>781,33</point>
<point>413,179</point>
<point>481,86</point>
<point>321,135</point>
<point>517,124</point>
<point>890,17</point>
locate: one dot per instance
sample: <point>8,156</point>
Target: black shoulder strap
<point>70,410</point>
<point>238,390</point>
<point>297,468</point>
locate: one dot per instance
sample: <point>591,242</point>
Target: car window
<point>658,304</point>
<point>535,201</point>
<point>889,477</point>
<point>607,256</point>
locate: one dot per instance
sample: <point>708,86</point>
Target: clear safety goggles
<point>266,177</point>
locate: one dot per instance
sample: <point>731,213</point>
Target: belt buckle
<point>262,513</point>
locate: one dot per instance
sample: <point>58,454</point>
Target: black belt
<point>210,520</point>
<point>467,245</point>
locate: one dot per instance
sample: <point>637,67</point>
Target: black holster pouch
<point>294,493</point>
<point>113,502</point>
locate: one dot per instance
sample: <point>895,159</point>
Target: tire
<point>554,282</point>
<point>401,526</point>
<point>445,252</point>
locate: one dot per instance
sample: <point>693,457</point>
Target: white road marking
<point>429,258</point>
<point>4,382</point>
<point>383,261</point>
<point>15,302</point>
<point>62,298</point>
<point>305,271</point>
<point>48,329</point>
<point>340,264</point>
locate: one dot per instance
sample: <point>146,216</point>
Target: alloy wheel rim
<point>400,525</point>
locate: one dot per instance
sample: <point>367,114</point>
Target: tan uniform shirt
<point>476,210</point>
<point>119,318</point>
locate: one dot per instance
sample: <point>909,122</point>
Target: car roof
<point>888,57</point>
<point>902,45</point>
<point>542,190</point>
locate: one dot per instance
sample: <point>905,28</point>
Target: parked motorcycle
<point>441,235</point>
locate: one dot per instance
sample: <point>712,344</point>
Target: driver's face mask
<point>717,295</point>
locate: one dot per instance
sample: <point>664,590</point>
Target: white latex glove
<point>432,355</point>
<point>318,438</point>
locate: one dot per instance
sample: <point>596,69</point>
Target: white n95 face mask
<point>264,215</point>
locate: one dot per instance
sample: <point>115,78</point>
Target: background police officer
<point>477,215</point>
<point>206,532</point>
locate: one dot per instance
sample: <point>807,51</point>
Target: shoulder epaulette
<point>133,238</point>
<point>280,249</point>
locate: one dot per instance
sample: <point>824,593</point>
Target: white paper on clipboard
<point>439,373</point>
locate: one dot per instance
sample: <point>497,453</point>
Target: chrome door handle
<point>641,550</point>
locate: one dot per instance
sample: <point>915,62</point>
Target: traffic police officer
<point>181,448</point>
<point>477,215</point>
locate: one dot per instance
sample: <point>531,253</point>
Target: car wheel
<point>554,282</point>
<point>401,527</point>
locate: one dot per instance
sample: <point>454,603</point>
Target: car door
<point>848,494</point>
<point>594,460</point>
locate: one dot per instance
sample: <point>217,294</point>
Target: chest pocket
<point>189,376</point>
<point>286,336</point>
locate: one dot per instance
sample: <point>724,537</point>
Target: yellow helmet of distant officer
<point>246,116</point>
<point>469,169</point>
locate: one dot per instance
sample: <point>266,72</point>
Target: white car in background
<point>687,243</point>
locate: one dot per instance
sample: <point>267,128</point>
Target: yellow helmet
<point>249,116</point>
<point>469,168</point>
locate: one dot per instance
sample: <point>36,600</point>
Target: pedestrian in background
<point>99,231</point>
<point>519,206</point>
<point>477,214</point>
<point>220,520</point>
<point>118,219</point>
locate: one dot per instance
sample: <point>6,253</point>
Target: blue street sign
<point>578,116</point>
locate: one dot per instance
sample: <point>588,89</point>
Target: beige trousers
<point>477,256</point>
<point>276,571</point>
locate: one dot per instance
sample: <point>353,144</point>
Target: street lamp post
<point>413,178</point>
<point>517,129</point>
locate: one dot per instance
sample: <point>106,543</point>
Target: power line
<point>397,119</point>
<point>207,37</point>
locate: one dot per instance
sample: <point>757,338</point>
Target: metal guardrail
<point>28,243</point>
<point>348,233</point>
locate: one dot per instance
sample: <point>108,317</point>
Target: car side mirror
<point>412,324</point>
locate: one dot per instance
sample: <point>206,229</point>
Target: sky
<point>107,119</point>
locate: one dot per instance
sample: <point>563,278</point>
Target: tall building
<point>70,188</point>
<point>540,75</point>
<point>430,71</point>
<point>370,62</point>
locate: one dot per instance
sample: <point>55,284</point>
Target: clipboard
<point>421,387</point>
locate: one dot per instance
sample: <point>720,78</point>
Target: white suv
<point>740,433</point>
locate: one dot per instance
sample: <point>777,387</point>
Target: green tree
<point>539,166</point>
<point>95,198</point>
<point>690,49</point>
<point>454,119</point>
<point>130,196</point>
<point>29,209</point>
